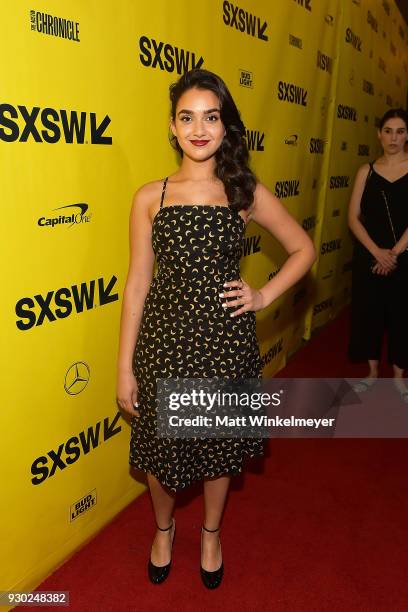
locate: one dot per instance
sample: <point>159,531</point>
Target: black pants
<point>379,304</point>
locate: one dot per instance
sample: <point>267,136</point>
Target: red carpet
<point>317,525</point>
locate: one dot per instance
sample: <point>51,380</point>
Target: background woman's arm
<point>383,256</point>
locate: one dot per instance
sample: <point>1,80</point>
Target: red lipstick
<point>199,143</point>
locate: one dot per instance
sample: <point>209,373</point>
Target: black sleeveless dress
<point>186,333</point>
<point>380,303</point>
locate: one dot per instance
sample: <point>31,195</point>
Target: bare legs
<point>215,493</point>
<point>163,505</point>
<point>399,382</point>
<point>373,365</point>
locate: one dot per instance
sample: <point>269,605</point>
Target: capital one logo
<point>63,302</point>
<point>19,123</point>
<point>167,57</point>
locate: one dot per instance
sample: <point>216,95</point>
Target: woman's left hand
<point>245,296</point>
<point>378,269</point>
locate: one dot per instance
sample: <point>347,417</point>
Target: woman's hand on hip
<point>127,393</point>
<point>246,298</point>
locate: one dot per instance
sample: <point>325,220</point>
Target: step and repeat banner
<point>84,117</point>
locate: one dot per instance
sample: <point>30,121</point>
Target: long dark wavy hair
<point>390,114</point>
<point>232,156</point>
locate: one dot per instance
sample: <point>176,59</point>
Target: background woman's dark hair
<point>232,156</point>
<point>394,112</point>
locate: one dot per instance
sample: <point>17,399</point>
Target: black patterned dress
<point>186,333</point>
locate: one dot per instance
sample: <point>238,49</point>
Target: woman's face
<point>197,124</point>
<point>393,135</point>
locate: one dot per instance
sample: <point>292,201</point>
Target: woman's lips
<point>199,143</point>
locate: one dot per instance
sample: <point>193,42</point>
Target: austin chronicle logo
<point>76,378</point>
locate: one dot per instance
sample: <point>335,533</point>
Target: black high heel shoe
<point>159,573</point>
<point>211,580</point>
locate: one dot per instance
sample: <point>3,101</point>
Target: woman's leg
<point>399,382</point>
<point>215,493</point>
<point>373,365</point>
<point>163,505</point>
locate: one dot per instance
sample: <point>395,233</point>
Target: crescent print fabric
<point>186,333</point>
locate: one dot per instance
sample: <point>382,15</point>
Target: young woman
<point>179,324</point>
<point>378,216</point>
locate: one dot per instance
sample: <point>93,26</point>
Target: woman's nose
<point>199,128</point>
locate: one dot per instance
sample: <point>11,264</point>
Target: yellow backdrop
<point>83,123</point>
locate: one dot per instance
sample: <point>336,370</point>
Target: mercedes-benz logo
<point>76,378</point>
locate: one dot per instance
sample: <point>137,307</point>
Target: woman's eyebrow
<point>185,111</point>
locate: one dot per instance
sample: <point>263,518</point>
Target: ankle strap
<point>167,528</point>
<point>210,530</point>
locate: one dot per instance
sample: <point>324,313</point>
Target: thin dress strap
<point>163,191</point>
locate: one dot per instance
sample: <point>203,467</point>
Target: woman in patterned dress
<point>178,323</point>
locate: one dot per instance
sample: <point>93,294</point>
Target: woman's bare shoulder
<point>148,193</point>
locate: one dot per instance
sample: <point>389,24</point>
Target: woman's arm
<point>141,261</point>
<point>401,245</point>
<point>270,214</point>
<point>384,257</point>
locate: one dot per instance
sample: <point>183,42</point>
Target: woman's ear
<point>172,127</point>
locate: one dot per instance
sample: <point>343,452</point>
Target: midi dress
<point>379,304</point>
<point>185,332</point>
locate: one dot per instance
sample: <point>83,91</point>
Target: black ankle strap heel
<point>211,580</point>
<point>159,573</point>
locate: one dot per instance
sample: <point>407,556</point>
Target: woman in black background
<point>378,217</point>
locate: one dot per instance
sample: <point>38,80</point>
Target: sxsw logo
<point>309,223</point>
<point>346,112</point>
<point>307,4</point>
<point>322,306</point>
<point>69,451</point>
<point>354,40</point>
<point>363,150</point>
<point>371,20</point>
<point>273,352</point>
<point>289,92</point>
<point>251,245</point>
<point>51,125</point>
<point>286,189</point>
<point>339,182</point>
<point>329,247</point>
<point>165,56</point>
<point>324,62</point>
<point>61,303</point>
<point>244,22</point>
<point>255,140</point>
<point>368,87</point>
<point>317,145</point>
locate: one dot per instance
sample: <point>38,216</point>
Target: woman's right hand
<point>127,393</point>
<point>386,259</point>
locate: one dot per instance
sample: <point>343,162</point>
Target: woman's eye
<point>185,118</point>
<point>213,117</point>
